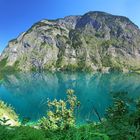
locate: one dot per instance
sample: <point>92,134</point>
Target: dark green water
<point>28,92</point>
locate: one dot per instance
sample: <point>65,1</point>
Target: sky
<point>17,16</point>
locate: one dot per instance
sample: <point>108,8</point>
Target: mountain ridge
<point>93,41</point>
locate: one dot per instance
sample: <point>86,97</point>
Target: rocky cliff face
<point>94,41</point>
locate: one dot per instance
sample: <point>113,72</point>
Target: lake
<point>28,92</point>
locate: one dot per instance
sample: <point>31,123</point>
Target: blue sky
<point>17,16</point>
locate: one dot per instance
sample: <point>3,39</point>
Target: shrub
<point>118,110</point>
<point>8,115</point>
<point>61,113</point>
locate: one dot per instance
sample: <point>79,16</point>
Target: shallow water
<point>28,92</point>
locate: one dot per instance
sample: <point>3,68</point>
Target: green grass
<point>86,132</point>
<point>21,133</point>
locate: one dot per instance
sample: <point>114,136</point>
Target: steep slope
<point>94,41</point>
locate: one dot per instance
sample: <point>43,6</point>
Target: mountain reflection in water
<point>28,92</point>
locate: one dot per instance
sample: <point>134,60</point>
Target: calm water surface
<point>28,92</point>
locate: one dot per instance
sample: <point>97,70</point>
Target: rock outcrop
<point>94,41</point>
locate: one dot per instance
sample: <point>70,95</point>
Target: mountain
<point>93,41</point>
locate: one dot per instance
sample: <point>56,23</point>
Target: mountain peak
<point>97,13</point>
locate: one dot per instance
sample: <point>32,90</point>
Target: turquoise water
<point>28,92</point>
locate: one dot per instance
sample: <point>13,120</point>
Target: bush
<point>61,113</point>
<point>7,115</point>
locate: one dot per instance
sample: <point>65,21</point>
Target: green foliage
<point>8,69</point>
<point>106,61</point>
<point>7,115</point>
<point>71,67</point>
<point>3,63</point>
<point>116,68</point>
<point>76,39</point>
<point>100,34</point>
<point>85,132</point>
<point>60,61</point>
<point>61,113</point>
<point>80,66</point>
<point>21,133</point>
<point>118,110</point>
<point>29,133</point>
<point>119,123</point>
<point>107,43</point>
<point>33,69</point>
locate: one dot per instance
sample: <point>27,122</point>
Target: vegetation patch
<point>8,115</point>
<point>4,68</point>
<point>61,113</point>
<point>120,122</point>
